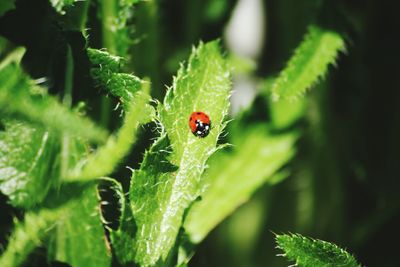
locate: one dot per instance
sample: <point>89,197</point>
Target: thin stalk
<point>69,78</point>
<point>146,54</point>
<point>67,100</point>
<point>109,18</point>
<point>83,18</point>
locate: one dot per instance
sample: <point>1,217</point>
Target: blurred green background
<point>344,180</point>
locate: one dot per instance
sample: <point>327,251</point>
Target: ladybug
<point>200,124</point>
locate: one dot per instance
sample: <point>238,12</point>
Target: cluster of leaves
<point>45,163</point>
<point>185,185</point>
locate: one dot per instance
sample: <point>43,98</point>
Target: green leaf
<point>107,157</point>
<point>19,96</point>
<point>26,156</point>
<point>6,5</point>
<point>308,252</point>
<point>138,111</point>
<point>79,237</point>
<point>169,177</point>
<point>116,33</point>
<point>233,177</point>
<point>283,112</point>
<point>241,65</point>
<point>9,53</point>
<point>309,63</point>
<point>122,239</point>
<point>125,13</point>
<point>27,235</point>
<point>60,5</point>
<point>106,73</point>
<point>65,193</point>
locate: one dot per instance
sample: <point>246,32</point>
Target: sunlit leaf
<point>115,16</point>
<point>233,177</point>
<point>169,177</point>
<point>107,73</point>
<point>106,158</point>
<point>79,237</point>
<point>307,252</point>
<point>19,96</point>
<point>26,156</point>
<point>122,238</point>
<point>27,235</point>
<point>283,112</point>
<point>310,62</point>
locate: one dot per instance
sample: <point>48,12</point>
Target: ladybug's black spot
<point>198,113</point>
<point>202,129</point>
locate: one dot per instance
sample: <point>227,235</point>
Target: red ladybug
<point>200,124</point>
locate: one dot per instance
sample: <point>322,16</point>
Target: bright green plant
<point>54,159</point>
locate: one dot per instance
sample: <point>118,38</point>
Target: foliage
<point>30,175</point>
<point>122,238</point>
<point>309,63</point>
<point>83,99</point>
<point>225,191</point>
<point>25,152</point>
<point>107,74</point>
<point>107,157</point>
<point>78,238</point>
<point>27,235</point>
<point>138,111</point>
<point>19,96</point>
<point>115,17</point>
<point>310,252</point>
<point>160,194</point>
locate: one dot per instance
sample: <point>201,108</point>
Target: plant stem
<point>109,17</point>
<point>83,19</point>
<point>146,54</point>
<point>69,78</point>
<point>67,100</point>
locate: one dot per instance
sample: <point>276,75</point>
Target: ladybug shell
<point>199,123</point>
